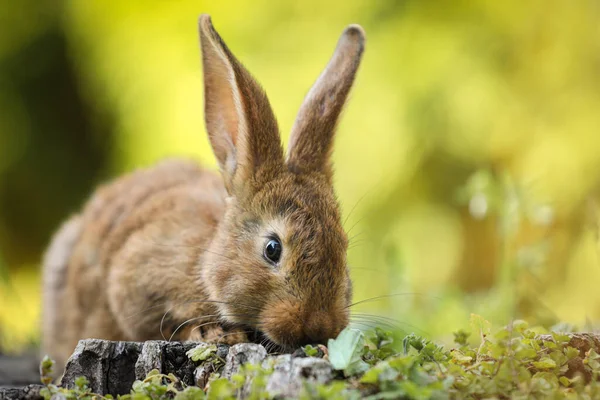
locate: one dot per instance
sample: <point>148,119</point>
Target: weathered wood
<point>29,392</point>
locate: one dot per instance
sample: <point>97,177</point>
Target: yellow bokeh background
<point>466,160</point>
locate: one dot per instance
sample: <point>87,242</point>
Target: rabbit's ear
<point>312,134</point>
<point>240,123</point>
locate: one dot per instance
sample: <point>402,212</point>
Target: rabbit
<point>177,251</point>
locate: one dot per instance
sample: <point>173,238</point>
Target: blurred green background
<point>467,159</point>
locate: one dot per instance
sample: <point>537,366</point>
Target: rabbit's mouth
<point>259,337</point>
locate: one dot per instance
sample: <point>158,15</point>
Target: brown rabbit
<point>180,252</point>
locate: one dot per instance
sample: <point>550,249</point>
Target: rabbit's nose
<point>317,328</point>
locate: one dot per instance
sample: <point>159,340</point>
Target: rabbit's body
<point>177,251</point>
<point>131,256</point>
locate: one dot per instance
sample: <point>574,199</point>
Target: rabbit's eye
<point>273,250</point>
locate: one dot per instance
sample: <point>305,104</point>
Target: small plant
<point>346,351</point>
<point>310,351</point>
<point>203,352</point>
<point>81,391</point>
<point>512,362</point>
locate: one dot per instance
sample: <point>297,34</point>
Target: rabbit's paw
<point>193,335</point>
<point>216,334</point>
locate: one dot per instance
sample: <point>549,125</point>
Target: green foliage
<point>251,377</point>
<point>345,352</point>
<point>46,368</point>
<point>337,390</point>
<point>310,351</point>
<point>202,352</point>
<point>81,391</point>
<point>512,362</point>
<point>155,386</point>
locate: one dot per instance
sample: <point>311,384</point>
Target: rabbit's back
<point>143,232</point>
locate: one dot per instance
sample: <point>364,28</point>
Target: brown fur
<point>178,247</point>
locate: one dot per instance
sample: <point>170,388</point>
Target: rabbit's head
<point>277,264</point>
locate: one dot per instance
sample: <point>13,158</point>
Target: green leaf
<point>153,372</point>
<point>81,382</point>
<point>137,387</point>
<point>502,334</point>
<point>480,325</point>
<point>545,363</point>
<point>238,379</point>
<point>571,352</point>
<point>382,372</point>
<point>528,333</point>
<point>345,352</point>
<point>460,358</point>
<point>566,382</point>
<point>461,337</point>
<point>191,393</point>
<point>371,376</point>
<point>45,393</point>
<point>592,360</point>
<point>310,350</point>
<point>520,326</point>
<point>220,389</point>
<point>561,337</point>
<point>550,344</point>
<point>383,338</point>
<point>525,353</point>
<point>46,368</point>
<point>172,378</point>
<point>202,352</point>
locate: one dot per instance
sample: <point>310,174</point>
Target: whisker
<point>146,309</point>
<point>377,324</point>
<point>264,342</point>
<point>352,268</point>
<point>406,324</point>
<point>372,319</point>
<point>391,295</point>
<point>354,207</point>
<point>191,302</point>
<point>271,346</point>
<point>204,324</point>
<point>382,317</point>
<point>162,320</point>
<point>245,321</point>
<point>351,240</point>
<point>182,324</point>
<point>368,325</point>
<point>376,321</point>
<point>360,326</point>
<point>355,245</point>
<point>192,319</point>
<point>355,224</point>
